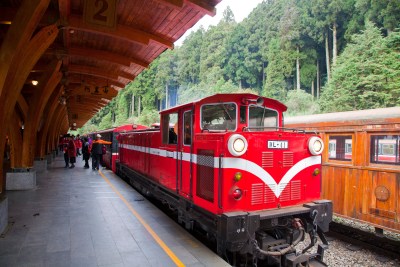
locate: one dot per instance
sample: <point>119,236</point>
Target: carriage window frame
<point>345,147</point>
<point>235,120</point>
<point>374,159</point>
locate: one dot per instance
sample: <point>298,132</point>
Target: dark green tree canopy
<point>281,46</point>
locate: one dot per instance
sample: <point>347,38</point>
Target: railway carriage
<point>228,168</point>
<point>361,167</point>
<point>111,155</point>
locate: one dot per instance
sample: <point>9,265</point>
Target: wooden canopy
<point>63,60</point>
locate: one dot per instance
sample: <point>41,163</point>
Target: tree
<point>188,56</point>
<point>367,74</point>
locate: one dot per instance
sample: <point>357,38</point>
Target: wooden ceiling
<point>105,44</point>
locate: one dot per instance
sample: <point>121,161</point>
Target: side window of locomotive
<point>170,128</point>
<point>261,118</point>
<point>384,149</point>
<point>187,128</point>
<point>218,117</point>
<point>340,147</point>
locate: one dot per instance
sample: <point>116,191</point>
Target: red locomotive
<point>227,166</point>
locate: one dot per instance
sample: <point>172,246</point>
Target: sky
<point>240,8</point>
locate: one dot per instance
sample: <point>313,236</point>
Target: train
<point>110,134</point>
<point>227,168</point>
<point>361,167</point>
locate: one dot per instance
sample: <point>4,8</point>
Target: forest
<point>316,56</point>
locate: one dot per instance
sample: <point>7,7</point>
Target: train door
<point>185,153</point>
<point>169,162</point>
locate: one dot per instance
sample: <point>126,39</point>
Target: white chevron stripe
<point>241,164</point>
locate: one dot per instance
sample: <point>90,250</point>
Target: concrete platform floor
<point>81,217</point>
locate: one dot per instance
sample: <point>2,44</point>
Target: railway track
<point>359,239</point>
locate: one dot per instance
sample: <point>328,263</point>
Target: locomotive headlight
<point>315,145</point>
<point>237,145</point>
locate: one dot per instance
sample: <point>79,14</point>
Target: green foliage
<point>260,54</point>
<point>300,103</point>
<point>148,117</point>
<point>106,122</point>
<point>367,74</point>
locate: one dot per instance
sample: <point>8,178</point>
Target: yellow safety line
<point>167,250</point>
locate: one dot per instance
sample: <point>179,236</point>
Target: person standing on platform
<point>97,151</point>
<point>86,152</point>
<point>72,152</point>
<point>65,150</point>
<point>78,145</point>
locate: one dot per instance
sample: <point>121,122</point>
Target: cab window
<point>261,118</point>
<point>170,128</point>
<point>218,117</point>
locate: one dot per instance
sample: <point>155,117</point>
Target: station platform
<point>80,217</point>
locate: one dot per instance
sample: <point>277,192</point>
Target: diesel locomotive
<point>228,168</point>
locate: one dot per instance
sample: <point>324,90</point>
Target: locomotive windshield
<point>261,118</point>
<point>219,117</point>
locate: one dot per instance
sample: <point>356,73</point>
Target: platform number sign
<point>101,12</point>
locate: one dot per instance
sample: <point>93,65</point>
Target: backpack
<point>86,148</point>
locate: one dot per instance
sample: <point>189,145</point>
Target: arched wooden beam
<point>36,107</point>
<point>48,142</point>
<point>59,124</point>
<point>15,140</point>
<point>23,106</point>
<point>18,72</point>
<point>48,114</point>
<point>79,79</point>
<point>24,62</point>
<point>203,6</point>
<point>79,89</point>
<point>200,5</point>
<point>19,33</point>
<point>121,32</point>
<point>97,54</point>
<point>92,71</point>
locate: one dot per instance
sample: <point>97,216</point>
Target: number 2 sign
<point>101,12</point>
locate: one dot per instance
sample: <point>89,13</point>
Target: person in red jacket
<point>78,144</point>
<point>72,152</point>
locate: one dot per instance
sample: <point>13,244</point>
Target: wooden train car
<point>111,155</point>
<point>361,167</point>
<point>226,166</point>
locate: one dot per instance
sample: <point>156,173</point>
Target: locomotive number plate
<point>278,144</point>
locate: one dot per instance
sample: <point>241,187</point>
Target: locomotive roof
<point>231,97</point>
<point>347,116</point>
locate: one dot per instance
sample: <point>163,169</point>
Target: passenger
<point>86,152</point>
<point>65,150</point>
<point>72,152</point>
<point>78,145</point>
<point>97,151</point>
